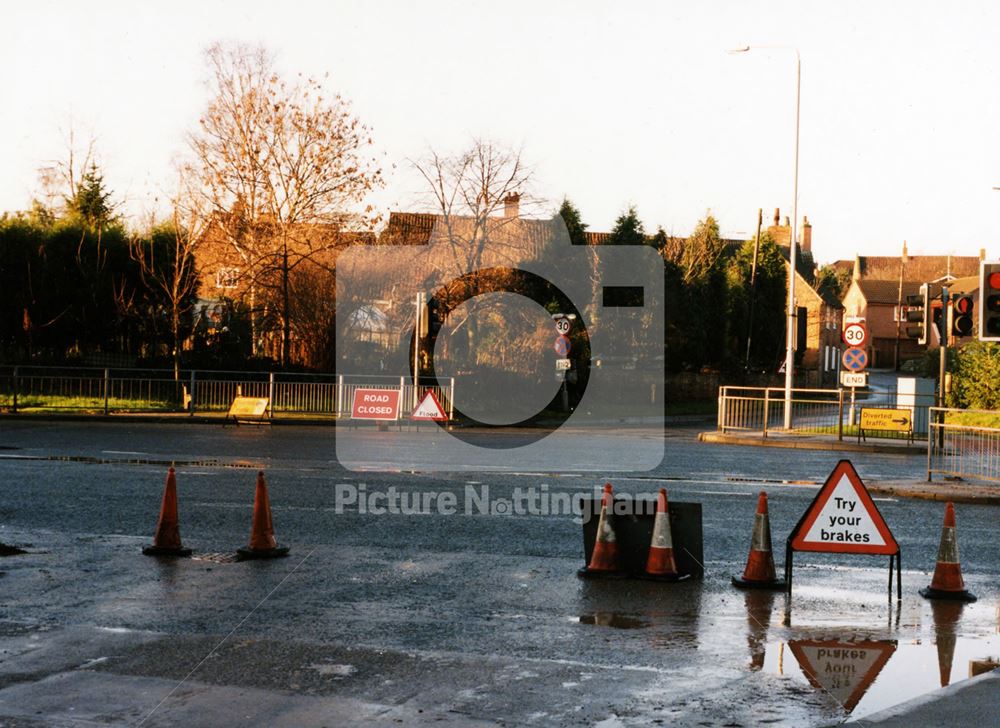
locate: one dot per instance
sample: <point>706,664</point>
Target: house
<point>879,303</point>
<point>243,273</point>
<point>879,288</point>
<point>818,334</point>
<point>818,319</point>
<point>920,268</point>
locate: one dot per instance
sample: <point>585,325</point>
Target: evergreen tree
<point>91,201</point>
<point>575,226</point>
<point>628,229</point>
<point>763,300</point>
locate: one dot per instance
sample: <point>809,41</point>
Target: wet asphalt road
<point>418,618</point>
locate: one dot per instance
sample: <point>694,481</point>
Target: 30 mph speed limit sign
<point>855,335</point>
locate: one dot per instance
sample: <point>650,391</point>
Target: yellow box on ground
<point>896,420</point>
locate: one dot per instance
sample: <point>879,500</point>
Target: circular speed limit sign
<point>855,335</point>
<point>563,325</point>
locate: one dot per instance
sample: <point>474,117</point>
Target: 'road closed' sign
<point>375,404</point>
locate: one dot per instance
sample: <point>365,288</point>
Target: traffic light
<point>434,316</point>
<point>961,316</point>
<point>989,301</point>
<point>917,306</point>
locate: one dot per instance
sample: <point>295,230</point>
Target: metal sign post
<point>417,329</point>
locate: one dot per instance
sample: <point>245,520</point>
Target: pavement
<point>971,702</point>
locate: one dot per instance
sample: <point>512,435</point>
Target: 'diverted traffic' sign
<point>843,519</point>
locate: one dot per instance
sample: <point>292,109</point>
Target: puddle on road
<point>612,619</point>
<point>864,676</point>
<point>91,460</point>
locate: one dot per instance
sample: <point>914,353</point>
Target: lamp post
<point>791,325</point>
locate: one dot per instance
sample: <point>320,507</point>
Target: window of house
<point>227,277</point>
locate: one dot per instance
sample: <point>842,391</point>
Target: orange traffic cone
<point>262,542</point>
<point>604,559</point>
<point>660,562</point>
<point>947,582</point>
<point>167,541</point>
<point>759,573</point>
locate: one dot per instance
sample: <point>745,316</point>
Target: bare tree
<point>59,179</point>
<point>468,190</point>
<point>479,196</point>
<point>172,269</point>
<point>284,169</point>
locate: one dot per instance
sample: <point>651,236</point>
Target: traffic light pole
<point>944,331</point>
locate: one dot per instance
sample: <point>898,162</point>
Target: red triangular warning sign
<point>844,670</point>
<point>843,519</point>
<point>429,409</point>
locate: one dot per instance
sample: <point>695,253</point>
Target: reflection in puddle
<point>843,670</point>
<point>612,619</point>
<point>865,676</point>
<point>946,615</point>
<point>759,604</point>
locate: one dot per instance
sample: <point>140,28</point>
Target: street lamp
<point>791,326</point>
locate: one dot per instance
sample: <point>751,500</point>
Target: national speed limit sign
<point>855,335</point>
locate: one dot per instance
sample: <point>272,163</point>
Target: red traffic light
<point>989,301</point>
<point>961,324</point>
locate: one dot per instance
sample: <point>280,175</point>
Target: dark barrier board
<point>633,524</point>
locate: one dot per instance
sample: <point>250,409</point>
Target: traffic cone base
<point>774,584</point>
<point>167,539</point>
<point>960,596</point>
<point>160,551</point>
<point>585,572</point>
<point>947,582</point>
<point>670,578</point>
<point>759,572</point>
<point>276,553</point>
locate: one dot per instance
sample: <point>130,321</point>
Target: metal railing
<point>814,411</point>
<point>761,409</point>
<point>960,450</point>
<point>149,390</point>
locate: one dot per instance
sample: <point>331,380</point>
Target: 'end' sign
<point>375,404</point>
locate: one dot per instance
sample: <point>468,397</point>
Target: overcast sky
<point>899,123</point>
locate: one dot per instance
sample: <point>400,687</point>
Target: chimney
<point>777,216</point>
<point>806,235</point>
<point>982,254</point>
<point>511,205</point>
<point>856,275</point>
<point>906,255</point>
